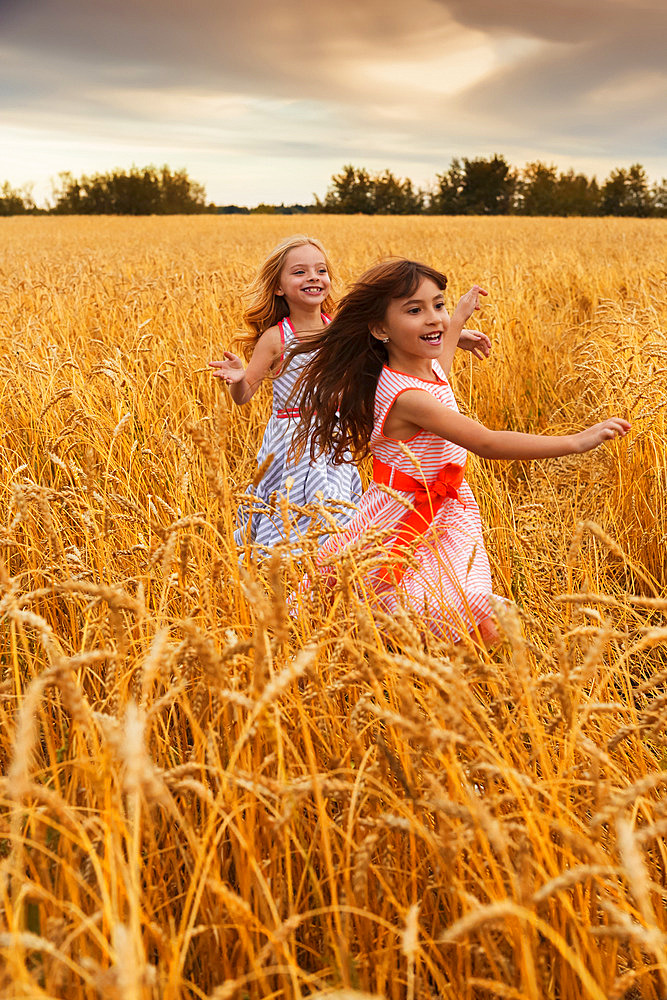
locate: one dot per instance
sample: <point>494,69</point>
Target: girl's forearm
<point>514,445</point>
<point>451,340</point>
<point>241,391</point>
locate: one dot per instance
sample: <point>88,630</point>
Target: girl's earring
<point>385,340</point>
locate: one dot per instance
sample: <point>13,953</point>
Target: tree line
<point>492,187</point>
<point>477,186</point>
<point>138,191</point>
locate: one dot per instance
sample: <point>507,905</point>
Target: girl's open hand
<point>468,303</point>
<point>606,430</point>
<point>476,342</point>
<point>230,370</point>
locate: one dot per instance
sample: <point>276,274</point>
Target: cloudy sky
<point>263,100</point>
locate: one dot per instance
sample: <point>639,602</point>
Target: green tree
<point>66,192</point>
<point>479,187</point>
<point>390,196</point>
<point>15,201</point>
<point>179,194</point>
<point>659,198</point>
<point>541,191</point>
<point>445,200</point>
<point>538,190</point>
<point>350,192</point>
<point>577,194</point>
<point>488,186</point>
<point>146,191</point>
<point>626,192</point>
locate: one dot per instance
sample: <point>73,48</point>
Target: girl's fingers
<point>227,356</point>
<point>616,427</point>
<point>472,297</point>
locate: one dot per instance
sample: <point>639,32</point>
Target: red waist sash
<point>429,498</point>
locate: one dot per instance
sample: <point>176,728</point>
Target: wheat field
<point>213,787</point>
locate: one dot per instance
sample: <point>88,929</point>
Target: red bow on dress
<point>429,498</point>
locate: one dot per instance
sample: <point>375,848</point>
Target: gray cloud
<point>572,80</point>
<point>302,51</point>
<point>567,21</point>
<point>603,77</point>
<point>251,46</point>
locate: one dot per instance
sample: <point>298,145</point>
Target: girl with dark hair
<point>376,381</point>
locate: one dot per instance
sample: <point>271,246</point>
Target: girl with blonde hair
<point>289,301</point>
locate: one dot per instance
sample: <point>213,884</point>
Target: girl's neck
<point>416,367</point>
<point>305,320</point>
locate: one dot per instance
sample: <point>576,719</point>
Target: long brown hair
<point>264,307</point>
<point>336,389</point>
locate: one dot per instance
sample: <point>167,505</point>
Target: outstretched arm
<point>244,382</point>
<point>466,306</point>
<point>416,409</point>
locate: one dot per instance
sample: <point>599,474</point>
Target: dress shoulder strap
<point>286,334</point>
<point>287,331</point>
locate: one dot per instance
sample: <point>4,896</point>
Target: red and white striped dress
<point>451,587</point>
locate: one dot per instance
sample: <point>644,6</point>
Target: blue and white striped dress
<point>259,519</point>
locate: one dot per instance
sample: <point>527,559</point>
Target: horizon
<point>46,206</point>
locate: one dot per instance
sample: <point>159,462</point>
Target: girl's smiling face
<point>304,278</point>
<point>414,327</point>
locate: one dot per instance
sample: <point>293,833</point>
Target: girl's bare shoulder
<point>270,341</point>
<point>272,331</point>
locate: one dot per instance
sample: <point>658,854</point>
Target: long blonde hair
<point>335,391</point>
<point>265,308</point>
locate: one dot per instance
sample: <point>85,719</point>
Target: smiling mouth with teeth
<point>432,337</point>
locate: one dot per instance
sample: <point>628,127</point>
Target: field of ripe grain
<point>214,788</point>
